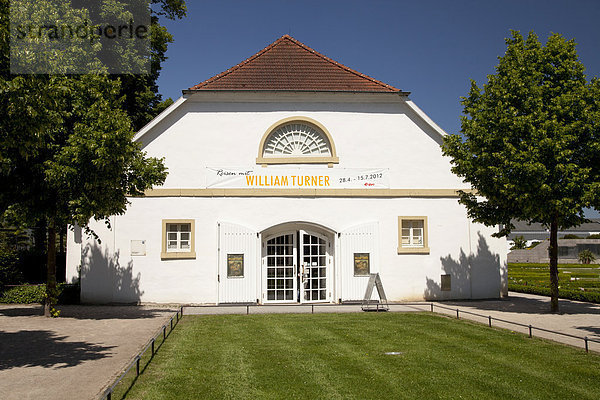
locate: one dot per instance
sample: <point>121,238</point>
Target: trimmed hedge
<point>28,294</point>
<point>578,295</point>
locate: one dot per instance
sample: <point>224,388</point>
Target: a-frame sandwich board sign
<point>375,305</point>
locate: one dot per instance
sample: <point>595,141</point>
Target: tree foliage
<point>531,147</point>
<point>66,149</point>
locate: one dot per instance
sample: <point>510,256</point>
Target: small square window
<point>178,239</point>
<point>412,235</point>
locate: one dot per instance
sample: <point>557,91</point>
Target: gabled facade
<point>291,179</point>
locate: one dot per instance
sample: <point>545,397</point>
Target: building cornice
<point>350,193</point>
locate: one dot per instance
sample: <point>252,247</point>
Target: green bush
<point>578,295</point>
<point>533,244</point>
<point>594,236</point>
<point>24,294</point>
<point>29,294</point>
<point>571,236</point>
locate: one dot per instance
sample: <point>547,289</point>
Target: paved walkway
<point>575,318</point>
<point>76,356</point>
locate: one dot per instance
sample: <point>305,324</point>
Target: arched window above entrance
<point>297,140</point>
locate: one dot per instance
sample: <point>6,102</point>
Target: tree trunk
<point>51,281</point>
<point>553,253</point>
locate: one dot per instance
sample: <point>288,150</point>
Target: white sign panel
<point>297,178</point>
<point>138,247</point>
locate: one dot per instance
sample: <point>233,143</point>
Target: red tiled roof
<point>289,65</point>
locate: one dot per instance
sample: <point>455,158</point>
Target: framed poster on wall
<point>361,264</point>
<point>235,265</point>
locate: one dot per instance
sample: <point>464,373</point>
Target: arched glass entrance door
<point>297,268</point>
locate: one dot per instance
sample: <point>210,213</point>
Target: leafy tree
<point>531,147</point>
<point>141,99</point>
<point>519,242</point>
<point>66,150</point>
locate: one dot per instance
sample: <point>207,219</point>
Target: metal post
<point>312,308</point>
<point>177,316</point>
<point>109,395</point>
<point>490,320</point>
<point>247,309</point>
<point>171,323</point>
<point>457,313</point>
<point>530,331</point>
<point>152,346</point>
<point>164,332</point>
<point>585,339</point>
<point>377,307</point>
<point>137,366</point>
<point>431,307</point>
<point>182,311</point>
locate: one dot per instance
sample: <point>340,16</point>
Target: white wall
<point>456,247</point>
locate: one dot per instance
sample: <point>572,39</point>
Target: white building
<point>291,178</point>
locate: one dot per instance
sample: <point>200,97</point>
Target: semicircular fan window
<point>297,140</point>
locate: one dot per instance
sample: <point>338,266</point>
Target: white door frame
<point>314,267</point>
<point>296,263</point>
<point>285,280</point>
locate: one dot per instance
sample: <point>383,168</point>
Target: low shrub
<point>571,236</point>
<point>578,295</point>
<point>594,236</point>
<point>29,294</point>
<point>23,294</point>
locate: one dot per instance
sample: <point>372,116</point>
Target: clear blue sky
<point>431,48</point>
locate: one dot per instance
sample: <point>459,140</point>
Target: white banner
<point>297,178</point>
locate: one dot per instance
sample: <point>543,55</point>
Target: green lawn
<point>342,356</point>
<point>576,281</point>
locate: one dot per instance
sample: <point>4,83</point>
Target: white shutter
<point>358,239</point>
<point>235,240</point>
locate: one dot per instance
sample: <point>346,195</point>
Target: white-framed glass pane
<point>412,233</point>
<point>178,237</point>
